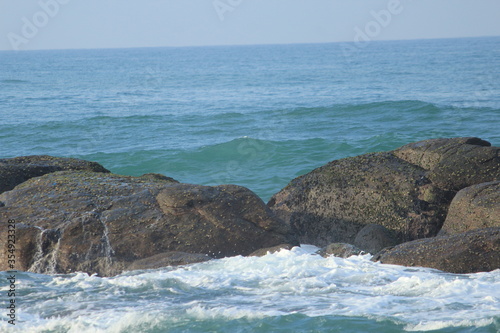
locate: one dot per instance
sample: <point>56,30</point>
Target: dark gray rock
<point>103,223</point>
<point>474,251</point>
<point>474,207</point>
<point>14,171</point>
<point>342,250</point>
<point>373,238</point>
<point>334,202</point>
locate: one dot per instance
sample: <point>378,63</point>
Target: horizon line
<point>250,44</point>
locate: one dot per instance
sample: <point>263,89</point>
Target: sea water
<point>288,291</point>
<point>256,116</point>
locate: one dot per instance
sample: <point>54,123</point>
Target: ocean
<point>256,116</point>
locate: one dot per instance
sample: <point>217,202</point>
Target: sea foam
<point>252,289</point>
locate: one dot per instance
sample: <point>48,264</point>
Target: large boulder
<point>455,163</point>
<point>474,251</point>
<point>373,238</point>
<point>14,171</point>
<point>474,207</point>
<point>407,191</point>
<point>102,223</point>
<point>333,203</point>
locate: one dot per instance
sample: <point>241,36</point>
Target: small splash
<point>108,250</point>
<point>45,258</point>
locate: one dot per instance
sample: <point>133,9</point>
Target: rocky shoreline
<point>434,203</point>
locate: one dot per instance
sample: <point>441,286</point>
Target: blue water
<point>256,116</point>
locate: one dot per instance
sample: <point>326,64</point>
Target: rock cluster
<point>378,200</point>
<point>104,223</point>
<point>434,203</point>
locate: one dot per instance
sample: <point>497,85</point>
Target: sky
<point>75,24</point>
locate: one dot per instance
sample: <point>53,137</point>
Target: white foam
<point>436,325</point>
<point>200,312</point>
<point>98,323</point>
<point>285,282</point>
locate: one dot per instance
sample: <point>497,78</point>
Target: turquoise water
<point>256,116</point>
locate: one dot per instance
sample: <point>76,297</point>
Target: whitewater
<point>291,290</point>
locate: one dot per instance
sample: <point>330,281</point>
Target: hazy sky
<point>56,24</point>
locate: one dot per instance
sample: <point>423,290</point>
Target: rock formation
<point>104,223</point>
<point>408,191</point>
<point>474,251</point>
<point>73,215</point>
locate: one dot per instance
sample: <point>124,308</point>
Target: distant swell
<point>14,81</point>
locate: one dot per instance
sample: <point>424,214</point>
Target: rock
<point>157,176</point>
<point>341,250</point>
<point>28,241</point>
<point>408,191</point>
<point>474,207</point>
<point>334,202</point>
<point>103,223</point>
<point>471,252</point>
<point>454,163</point>
<point>14,171</point>
<point>270,250</point>
<point>373,238</point>
<point>168,259</point>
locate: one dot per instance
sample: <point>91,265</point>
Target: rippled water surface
<point>256,116</point>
